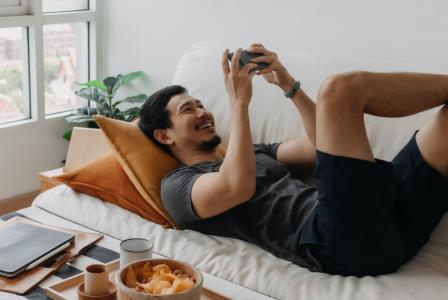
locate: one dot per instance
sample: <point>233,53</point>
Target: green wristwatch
<point>295,87</point>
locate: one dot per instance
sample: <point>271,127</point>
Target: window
<point>65,63</point>
<point>14,101</point>
<point>46,46</point>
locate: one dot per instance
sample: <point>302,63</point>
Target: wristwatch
<point>295,87</point>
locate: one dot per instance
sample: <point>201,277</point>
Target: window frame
<point>33,22</point>
<point>22,8</point>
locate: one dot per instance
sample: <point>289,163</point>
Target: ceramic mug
<point>96,280</point>
<point>134,249</point>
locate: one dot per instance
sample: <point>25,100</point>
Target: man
<point>365,216</point>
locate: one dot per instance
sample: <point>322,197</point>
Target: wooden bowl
<point>125,293</point>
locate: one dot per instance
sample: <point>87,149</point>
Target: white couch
<point>273,118</point>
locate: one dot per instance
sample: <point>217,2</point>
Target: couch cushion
<point>144,163</point>
<point>104,178</point>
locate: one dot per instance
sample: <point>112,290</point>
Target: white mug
<point>134,249</point>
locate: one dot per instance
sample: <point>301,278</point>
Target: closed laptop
<point>23,244</point>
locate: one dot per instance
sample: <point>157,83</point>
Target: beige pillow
<point>144,162</point>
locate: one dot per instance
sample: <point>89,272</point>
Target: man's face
<point>193,126</point>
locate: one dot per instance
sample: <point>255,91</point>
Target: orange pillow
<point>143,161</point>
<point>104,178</point>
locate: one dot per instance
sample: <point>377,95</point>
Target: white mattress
<point>425,277</point>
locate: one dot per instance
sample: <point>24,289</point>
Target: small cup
<point>134,249</point>
<point>96,280</point>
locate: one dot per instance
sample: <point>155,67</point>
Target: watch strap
<point>295,87</point>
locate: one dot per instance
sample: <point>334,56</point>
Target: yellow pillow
<point>144,162</point>
<point>104,178</point>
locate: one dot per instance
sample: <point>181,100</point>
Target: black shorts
<point>373,216</point>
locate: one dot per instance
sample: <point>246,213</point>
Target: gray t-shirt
<point>272,218</point>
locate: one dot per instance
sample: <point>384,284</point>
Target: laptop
<point>24,246</point>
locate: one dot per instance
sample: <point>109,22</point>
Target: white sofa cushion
<point>273,117</point>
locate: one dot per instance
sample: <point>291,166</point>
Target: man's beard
<point>211,144</point>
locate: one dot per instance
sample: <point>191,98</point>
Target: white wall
<point>151,35</point>
<point>26,150</point>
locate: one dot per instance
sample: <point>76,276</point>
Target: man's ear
<point>161,135</point>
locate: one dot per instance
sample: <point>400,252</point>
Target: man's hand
<point>216,192</point>
<point>299,152</point>
<point>238,80</point>
<point>275,73</point>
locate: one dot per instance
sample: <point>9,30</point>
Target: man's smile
<point>207,124</point>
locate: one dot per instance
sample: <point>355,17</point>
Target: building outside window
<point>65,64</point>
<point>13,53</point>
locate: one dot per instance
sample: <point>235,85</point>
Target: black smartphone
<point>246,57</point>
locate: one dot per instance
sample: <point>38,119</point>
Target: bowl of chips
<point>162,279</point>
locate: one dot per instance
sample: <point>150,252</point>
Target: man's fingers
<point>267,70</point>
<point>235,63</point>
<point>225,62</point>
<point>252,74</point>
<point>261,50</point>
<point>267,59</point>
<point>249,67</point>
<point>257,45</point>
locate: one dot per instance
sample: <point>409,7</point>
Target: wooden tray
<point>67,289</point>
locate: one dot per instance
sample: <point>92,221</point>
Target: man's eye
<point>187,109</point>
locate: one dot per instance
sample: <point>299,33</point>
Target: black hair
<point>154,114</point>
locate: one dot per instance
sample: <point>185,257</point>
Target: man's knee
<point>343,91</point>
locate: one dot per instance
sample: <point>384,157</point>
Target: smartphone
<point>246,57</point>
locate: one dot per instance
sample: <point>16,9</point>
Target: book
<point>23,246</point>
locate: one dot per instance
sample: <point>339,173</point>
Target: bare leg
<point>432,140</point>
<point>343,99</point>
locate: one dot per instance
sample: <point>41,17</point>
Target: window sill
<point>59,115</point>
<point>35,122</point>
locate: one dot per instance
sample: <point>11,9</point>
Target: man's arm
<point>297,152</point>
<point>214,193</point>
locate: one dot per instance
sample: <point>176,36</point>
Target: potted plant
<point>103,92</point>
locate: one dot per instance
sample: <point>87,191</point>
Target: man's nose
<point>202,112</point>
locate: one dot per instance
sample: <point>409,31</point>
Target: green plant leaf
<point>101,109</point>
<point>68,135</point>
<point>110,82</point>
<point>131,118</point>
<point>93,124</point>
<point>135,111</point>
<point>87,93</point>
<point>122,80</point>
<point>96,84</point>
<point>134,99</point>
<point>92,94</point>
